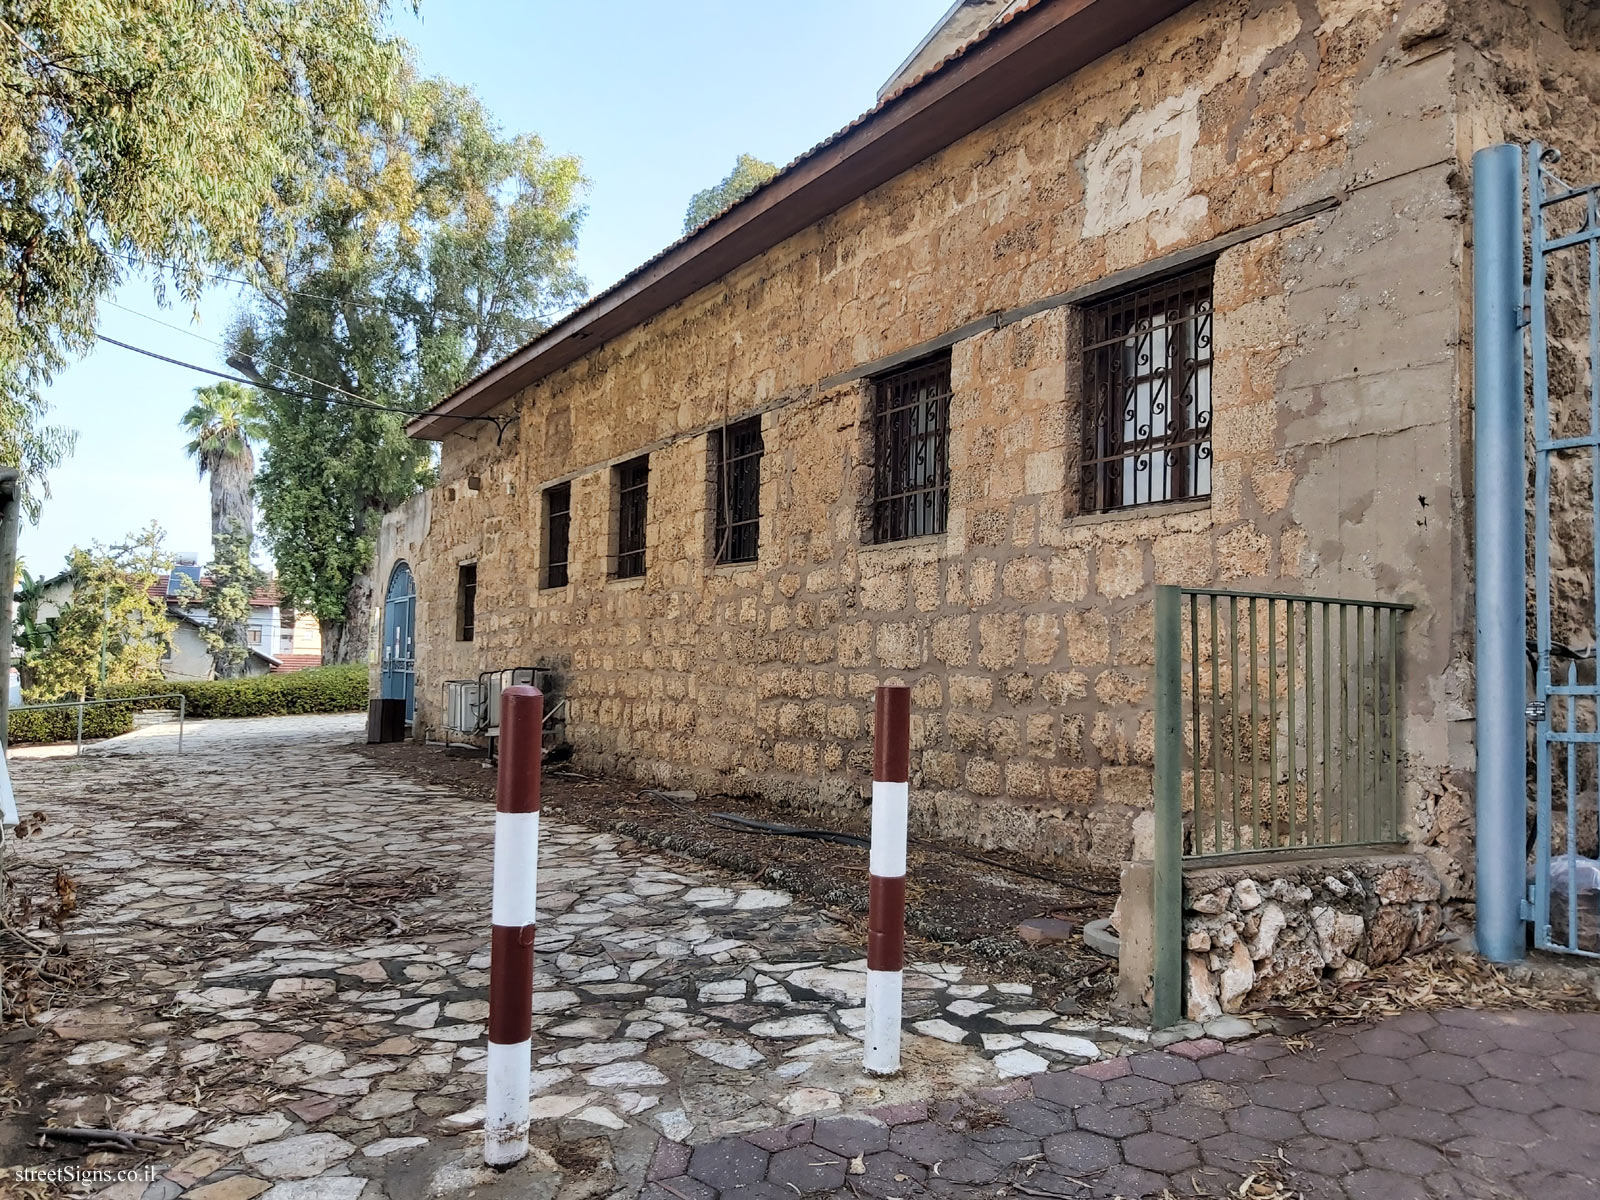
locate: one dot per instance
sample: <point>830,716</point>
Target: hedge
<point>320,690</point>
<point>61,724</point>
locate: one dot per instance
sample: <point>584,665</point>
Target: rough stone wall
<point>1026,629</point>
<point>1252,938</point>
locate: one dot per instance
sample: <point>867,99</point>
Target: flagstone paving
<point>297,962</point>
<point>295,978</point>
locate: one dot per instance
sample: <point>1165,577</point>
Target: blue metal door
<point>398,674</point>
<point>1563,315</point>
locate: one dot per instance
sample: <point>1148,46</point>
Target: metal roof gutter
<point>1015,59</point>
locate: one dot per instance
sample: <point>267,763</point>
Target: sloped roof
<point>1032,47</point>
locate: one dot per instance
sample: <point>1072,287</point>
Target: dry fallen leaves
<point>1440,978</point>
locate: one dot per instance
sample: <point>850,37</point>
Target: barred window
<point>557,533</point>
<point>1147,395</point>
<point>911,435</point>
<point>633,485</point>
<point>738,449</point>
<point>466,600</point>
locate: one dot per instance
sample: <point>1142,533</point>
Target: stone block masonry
<point>1255,935</point>
<point>1024,629</point>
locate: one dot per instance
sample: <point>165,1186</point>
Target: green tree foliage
<point>747,175</point>
<point>161,135</point>
<point>33,634</point>
<point>111,618</point>
<point>230,581</point>
<point>221,423</point>
<point>434,249</point>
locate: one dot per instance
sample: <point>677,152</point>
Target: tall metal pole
<point>1166,1006</point>
<point>10,523</point>
<point>1500,541</point>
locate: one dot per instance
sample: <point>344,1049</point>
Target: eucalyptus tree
<point>433,249</point>
<point>747,175</point>
<point>166,137</point>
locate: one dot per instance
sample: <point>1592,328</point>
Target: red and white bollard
<point>886,897</point>
<point>516,874</point>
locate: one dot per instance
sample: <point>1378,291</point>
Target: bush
<point>321,690</point>
<point>61,724</point>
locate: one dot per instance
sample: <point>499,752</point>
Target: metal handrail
<point>81,704</point>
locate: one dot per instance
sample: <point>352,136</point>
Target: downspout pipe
<point>1500,538</point>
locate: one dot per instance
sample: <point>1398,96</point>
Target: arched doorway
<point>399,671</point>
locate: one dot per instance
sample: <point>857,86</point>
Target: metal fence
<point>1277,729</point>
<point>80,705</point>
<point>1290,721</point>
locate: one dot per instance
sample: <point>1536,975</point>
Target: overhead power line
<point>499,423</point>
<point>311,379</point>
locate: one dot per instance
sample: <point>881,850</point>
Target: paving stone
<point>248,1131</point>
<point>900,1114</point>
<point>387,1146</point>
<point>796,1133</point>
<point>1081,1152</point>
<point>728,1162</point>
<point>1019,1062</point>
<point>1197,1048</point>
<point>807,1169</point>
<point>1165,1068</point>
<point>1069,1088</point>
<point>298,1157</point>
<point>850,1136</point>
<point>237,1187</point>
<point>1374,1184</point>
<point>1111,1122</point>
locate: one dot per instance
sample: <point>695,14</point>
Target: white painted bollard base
<point>505,1111</point>
<point>883,1023</point>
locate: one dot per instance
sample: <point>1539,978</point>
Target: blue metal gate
<point>397,679</point>
<point>1563,318</point>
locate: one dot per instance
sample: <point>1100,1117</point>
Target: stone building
<point>856,429</point>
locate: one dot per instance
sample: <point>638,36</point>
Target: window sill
<point>1140,512</point>
<point>734,568</point>
<point>627,581</point>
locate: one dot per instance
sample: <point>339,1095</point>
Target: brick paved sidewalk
<point>1426,1105</point>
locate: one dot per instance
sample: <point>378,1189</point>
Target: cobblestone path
<point>294,949</point>
<point>295,943</point>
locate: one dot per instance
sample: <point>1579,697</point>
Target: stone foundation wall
<point>1259,934</point>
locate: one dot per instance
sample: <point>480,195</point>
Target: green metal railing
<point>1277,730</point>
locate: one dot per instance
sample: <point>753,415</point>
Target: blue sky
<point>657,99</point>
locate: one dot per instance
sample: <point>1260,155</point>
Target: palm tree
<point>221,422</point>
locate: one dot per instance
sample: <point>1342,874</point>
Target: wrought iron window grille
<point>911,452</point>
<point>738,448</point>
<point>557,534</point>
<point>1147,395</point>
<point>466,600</point>
<point>633,485</point>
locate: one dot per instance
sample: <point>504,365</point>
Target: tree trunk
<point>348,641</point>
<point>332,634</point>
<point>230,497</point>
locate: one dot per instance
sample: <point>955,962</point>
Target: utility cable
<point>499,423</point>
